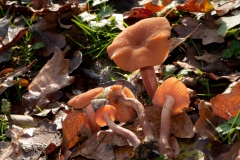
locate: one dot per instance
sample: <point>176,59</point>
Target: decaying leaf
<point>31,143</point>
<point>9,34</point>
<point>75,128</point>
<point>227,105</point>
<point>195,6</point>
<point>182,126</point>
<point>233,153</point>
<point>203,127</point>
<point>46,85</point>
<point>138,12</point>
<point>223,7</point>
<point>208,58</point>
<point>23,120</point>
<point>8,78</point>
<point>153,7</point>
<point>208,35</point>
<point>100,146</point>
<point>51,41</point>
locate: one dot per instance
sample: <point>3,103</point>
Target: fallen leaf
<point>31,143</point>
<point>23,120</point>
<point>182,126</point>
<point>51,41</point>
<point>203,127</point>
<point>35,141</point>
<point>208,58</point>
<point>227,105</point>
<point>208,35</point>
<point>122,153</point>
<point>75,129</point>
<point>98,146</point>
<point>9,34</point>
<point>227,23</point>
<point>223,7</point>
<point>41,91</point>
<point>153,7</point>
<point>8,79</point>
<point>138,12</point>
<point>195,6</point>
<point>233,153</point>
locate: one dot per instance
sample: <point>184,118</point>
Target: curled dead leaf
<point>202,127</point>
<point>227,105</point>
<point>75,129</point>
<point>182,126</point>
<point>47,84</point>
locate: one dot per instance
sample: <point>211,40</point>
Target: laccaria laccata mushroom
<point>172,96</point>
<point>142,46</point>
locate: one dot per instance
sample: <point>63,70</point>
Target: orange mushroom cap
<point>107,109</point>
<point>175,88</point>
<point>143,44</point>
<point>82,100</point>
<point>125,113</point>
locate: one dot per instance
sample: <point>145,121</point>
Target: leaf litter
<point>200,50</point>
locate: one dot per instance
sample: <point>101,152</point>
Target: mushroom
<point>123,99</point>
<point>142,46</point>
<point>84,101</point>
<point>125,113</point>
<point>172,96</point>
<point>106,115</point>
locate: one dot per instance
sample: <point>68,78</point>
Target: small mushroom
<point>106,115</point>
<point>125,113</point>
<point>84,101</point>
<point>142,46</point>
<point>120,98</point>
<point>172,96</point>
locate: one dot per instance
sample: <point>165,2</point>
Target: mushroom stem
<point>149,80</point>
<point>163,142</point>
<point>91,118</point>
<point>122,131</point>
<point>138,107</point>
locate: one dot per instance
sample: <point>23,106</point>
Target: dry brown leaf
<point>174,146</point>
<point>75,129</point>
<point>138,12</point>
<point>47,84</point>
<point>23,120</point>
<point>207,35</point>
<point>227,105</point>
<point>195,6</point>
<point>51,41</point>
<point>182,126</point>
<point>31,143</point>
<point>122,153</point>
<point>99,146</point>
<point>202,127</point>
<point>233,153</point>
<point>9,35</point>
<point>208,58</point>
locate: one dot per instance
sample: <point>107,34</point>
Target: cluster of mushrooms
<point>140,46</point>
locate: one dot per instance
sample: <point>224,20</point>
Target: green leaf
<point>233,50</point>
<point>38,45</point>
<point>6,106</point>
<point>105,12</point>
<point>224,128</point>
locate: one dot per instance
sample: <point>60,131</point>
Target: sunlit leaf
<point>195,6</point>
<point>75,129</point>
<point>46,85</point>
<point>227,105</point>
